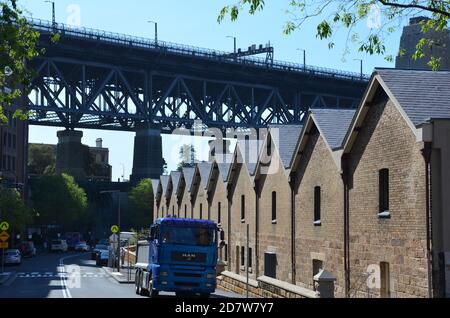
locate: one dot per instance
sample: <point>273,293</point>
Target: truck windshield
<point>188,236</point>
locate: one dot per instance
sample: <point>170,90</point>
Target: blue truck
<point>179,256</point>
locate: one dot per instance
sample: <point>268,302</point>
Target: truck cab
<point>180,256</point>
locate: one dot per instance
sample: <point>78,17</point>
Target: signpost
<point>4,236</point>
<point>115,230</point>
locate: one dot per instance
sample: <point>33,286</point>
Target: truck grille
<point>187,275</point>
<point>186,284</point>
<point>189,257</point>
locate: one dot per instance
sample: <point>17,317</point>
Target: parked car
<point>102,258</point>
<point>81,246</point>
<point>27,249</point>
<point>59,246</point>
<point>97,249</point>
<point>13,256</point>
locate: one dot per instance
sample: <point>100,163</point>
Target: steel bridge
<point>103,80</point>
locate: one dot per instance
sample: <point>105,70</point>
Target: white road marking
<point>65,289</point>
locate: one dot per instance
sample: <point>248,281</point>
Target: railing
<point>181,49</point>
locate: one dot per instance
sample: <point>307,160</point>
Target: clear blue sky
<point>194,22</point>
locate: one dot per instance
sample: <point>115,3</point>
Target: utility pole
<point>304,58</point>
<point>361,67</point>
<point>156,31</point>
<point>53,14</point>
<point>118,224</point>
<point>247,259</point>
<point>235,45</point>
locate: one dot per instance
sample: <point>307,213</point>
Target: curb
<point>120,278</point>
<point>5,278</point>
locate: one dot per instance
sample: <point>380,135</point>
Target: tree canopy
<point>141,198</point>
<point>58,199</point>
<point>17,47</point>
<point>382,17</point>
<point>13,209</point>
<point>41,159</point>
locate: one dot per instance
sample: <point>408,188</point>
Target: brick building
<point>172,193</point>
<point>319,197</point>
<point>199,195</point>
<point>352,204</point>
<point>186,207</point>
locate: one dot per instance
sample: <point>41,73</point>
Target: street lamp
<point>361,66</point>
<point>118,224</point>
<point>53,13</point>
<point>234,40</point>
<point>304,58</point>
<point>156,31</point>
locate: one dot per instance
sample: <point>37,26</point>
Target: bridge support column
<point>147,157</point>
<point>71,154</point>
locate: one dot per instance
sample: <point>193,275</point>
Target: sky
<point>194,22</point>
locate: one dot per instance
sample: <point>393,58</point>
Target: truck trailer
<point>179,256</point>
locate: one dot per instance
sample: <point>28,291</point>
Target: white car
<point>81,246</point>
<point>13,256</point>
<point>59,246</point>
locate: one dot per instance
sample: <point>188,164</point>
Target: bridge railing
<point>182,49</point>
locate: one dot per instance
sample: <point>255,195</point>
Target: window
<point>237,260</point>
<point>274,207</point>
<point>201,210</point>
<point>383,190</point>
<point>270,264</point>
<point>385,281</point>
<point>162,212</point>
<point>14,141</point>
<point>226,252</point>
<point>5,139</point>
<point>249,257</point>
<point>317,220</point>
<point>185,211</point>
<point>9,140</point>
<point>13,161</point>
<point>8,167</point>
<point>4,162</point>
<point>242,256</point>
<point>317,266</point>
<point>243,208</point>
<point>173,210</point>
<point>219,217</point>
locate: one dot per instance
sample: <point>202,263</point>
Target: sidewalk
<point>125,276</point>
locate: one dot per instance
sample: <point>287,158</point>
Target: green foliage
<point>41,159</point>
<point>17,47</point>
<point>141,198</point>
<point>58,200</point>
<point>339,14</point>
<point>14,210</point>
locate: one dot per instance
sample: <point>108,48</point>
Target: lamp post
<point>118,224</point>
<point>304,58</point>
<point>156,31</point>
<point>234,41</point>
<point>361,66</point>
<point>53,13</point>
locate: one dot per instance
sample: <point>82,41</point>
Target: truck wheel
<point>137,283</point>
<point>151,292</point>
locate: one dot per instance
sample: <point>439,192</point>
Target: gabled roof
<point>155,183</point>
<point>224,169</point>
<point>249,150</point>
<point>285,138</point>
<point>418,95</point>
<point>175,176</point>
<point>204,168</point>
<point>164,183</point>
<point>421,94</point>
<point>188,174</point>
<point>333,124</point>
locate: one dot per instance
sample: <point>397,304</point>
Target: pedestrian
<point>122,254</point>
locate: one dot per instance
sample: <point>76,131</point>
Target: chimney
<point>98,143</point>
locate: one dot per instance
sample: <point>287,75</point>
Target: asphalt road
<point>69,275</point>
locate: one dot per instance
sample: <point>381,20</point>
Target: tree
<point>14,210</point>
<point>41,159</point>
<point>188,156</point>
<point>141,198</point>
<point>17,47</point>
<point>335,14</point>
<point>58,200</point>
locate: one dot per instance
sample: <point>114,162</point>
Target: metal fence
<point>188,50</point>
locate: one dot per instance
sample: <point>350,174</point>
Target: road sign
<point>114,229</point>
<point>4,236</point>
<point>4,245</point>
<point>4,226</point>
